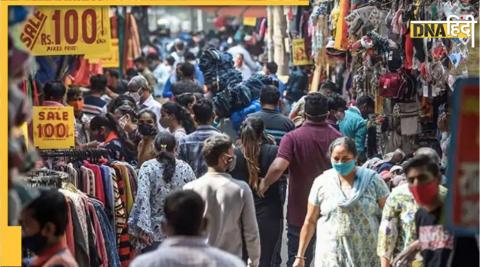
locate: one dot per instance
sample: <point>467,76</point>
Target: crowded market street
<point>342,133</point>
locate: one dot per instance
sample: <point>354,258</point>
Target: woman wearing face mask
<point>176,119</point>
<point>104,130</point>
<point>148,129</point>
<point>156,179</point>
<point>254,157</point>
<point>346,201</point>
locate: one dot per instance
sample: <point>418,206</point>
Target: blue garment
<point>199,76</point>
<point>167,89</point>
<point>109,234</point>
<point>238,117</point>
<point>108,190</point>
<point>355,127</point>
<point>190,148</point>
<point>281,85</point>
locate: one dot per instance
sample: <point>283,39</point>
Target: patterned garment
<point>147,210</point>
<point>190,148</point>
<point>397,228</point>
<point>346,237</point>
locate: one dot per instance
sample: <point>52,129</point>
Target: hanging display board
<point>53,127</point>
<point>60,30</point>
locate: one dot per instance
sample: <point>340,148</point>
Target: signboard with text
<point>53,127</point>
<point>66,30</point>
<point>299,54</point>
<point>463,165</point>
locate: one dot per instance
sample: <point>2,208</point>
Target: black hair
<point>50,206</point>
<point>131,72</point>
<point>98,83</point>
<point>189,56</point>
<point>152,57</point>
<point>269,95</point>
<point>336,103</point>
<point>113,73</point>
<point>185,99</point>
<point>170,60</point>
<point>140,59</point>
<point>316,107</point>
<point>422,161</point>
<point>345,141</point>
<point>151,113</point>
<point>187,69</point>
<point>165,145</point>
<point>251,135</point>
<point>272,67</point>
<point>365,99</point>
<point>215,146</point>
<point>106,121</point>
<point>180,45</point>
<point>184,211</point>
<point>73,93</point>
<point>180,114</point>
<point>127,109</point>
<point>54,90</point>
<point>203,111</point>
<point>328,85</point>
<point>122,100</point>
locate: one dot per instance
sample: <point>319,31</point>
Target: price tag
<point>53,127</point>
<point>67,31</point>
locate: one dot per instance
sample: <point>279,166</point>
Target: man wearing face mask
<point>354,124</point>
<point>141,92</point>
<point>230,210</point>
<point>43,222</point>
<point>75,99</point>
<point>337,106</point>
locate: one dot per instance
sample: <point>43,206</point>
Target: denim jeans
<point>293,240</point>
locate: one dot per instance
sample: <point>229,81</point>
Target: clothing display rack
<point>75,154</point>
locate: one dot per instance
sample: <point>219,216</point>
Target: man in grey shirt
<point>184,246</point>
<point>230,209</point>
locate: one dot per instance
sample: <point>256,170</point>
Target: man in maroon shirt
<point>304,152</point>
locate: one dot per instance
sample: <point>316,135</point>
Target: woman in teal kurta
<point>345,205</point>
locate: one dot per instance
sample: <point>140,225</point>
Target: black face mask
<point>36,243</point>
<point>147,130</point>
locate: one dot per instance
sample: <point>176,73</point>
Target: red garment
<point>408,52</point>
<point>58,255</point>
<point>99,188</point>
<point>47,103</point>
<point>100,240</point>
<point>84,71</point>
<point>124,246</point>
<point>70,238</point>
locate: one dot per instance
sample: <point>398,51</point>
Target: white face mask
<point>135,95</point>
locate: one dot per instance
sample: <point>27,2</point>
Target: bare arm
<point>278,167</point>
<point>385,262</point>
<point>308,229</point>
<point>381,202</point>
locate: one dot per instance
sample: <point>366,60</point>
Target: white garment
<point>230,211</point>
<point>183,251</point>
<point>162,72</point>
<point>246,72</point>
<point>246,56</point>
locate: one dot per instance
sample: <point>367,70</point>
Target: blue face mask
<point>344,168</point>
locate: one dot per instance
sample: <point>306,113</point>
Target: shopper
<point>147,127</point>
<point>344,207</point>
<point>337,107</point>
<point>354,124</point>
<point>276,124</point>
<point>397,228</point>
<point>304,153</point>
<point>141,92</point>
<point>75,100</point>
<point>156,179</point>
<point>186,81</point>
<point>177,120</point>
<point>54,94</point>
<point>115,82</point>
<point>253,159</point>
<point>104,130</point>
<point>190,146</point>
<point>94,103</point>
<point>241,67</point>
<point>270,69</point>
<point>142,67</point>
<point>230,210</point>
<point>184,246</point>
<point>44,222</point>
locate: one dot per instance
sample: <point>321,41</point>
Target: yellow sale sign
<point>111,59</point>
<point>53,127</point>
<point>67,31</point>
<point>250,21</point>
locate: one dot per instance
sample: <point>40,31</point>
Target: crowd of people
<point>206,198</point>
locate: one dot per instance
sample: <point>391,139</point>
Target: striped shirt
<point>276,124</point>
